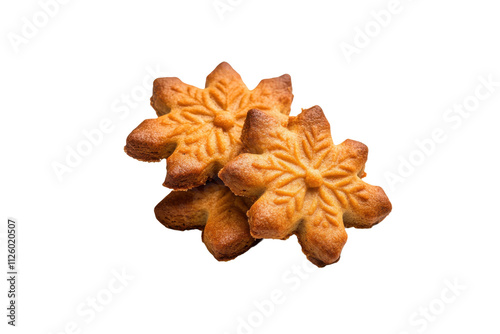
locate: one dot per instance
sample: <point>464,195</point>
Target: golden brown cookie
<point>198,130</point>
<point>305,184</point>
<point>215,210</point>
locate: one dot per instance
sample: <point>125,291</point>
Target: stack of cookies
<point>242,170</point>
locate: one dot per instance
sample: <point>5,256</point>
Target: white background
<point>74,72</point>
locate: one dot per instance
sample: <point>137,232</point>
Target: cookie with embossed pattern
<point>198,130</point>
<point>215,210</point>
<point>305,184</point>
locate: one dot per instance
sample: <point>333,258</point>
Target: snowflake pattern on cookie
<point>198,130</point>
<point>305,184</point>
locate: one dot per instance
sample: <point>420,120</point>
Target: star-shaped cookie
<point>198,130</point>
<point>305,184</point>
<point>215,210</point>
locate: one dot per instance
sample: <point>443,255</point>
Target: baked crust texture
<point>303,183</point>
<point>215,210</point>
<point>198,130</point>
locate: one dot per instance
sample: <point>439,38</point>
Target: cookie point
<point>224,120</point>
<point>314,179</point>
